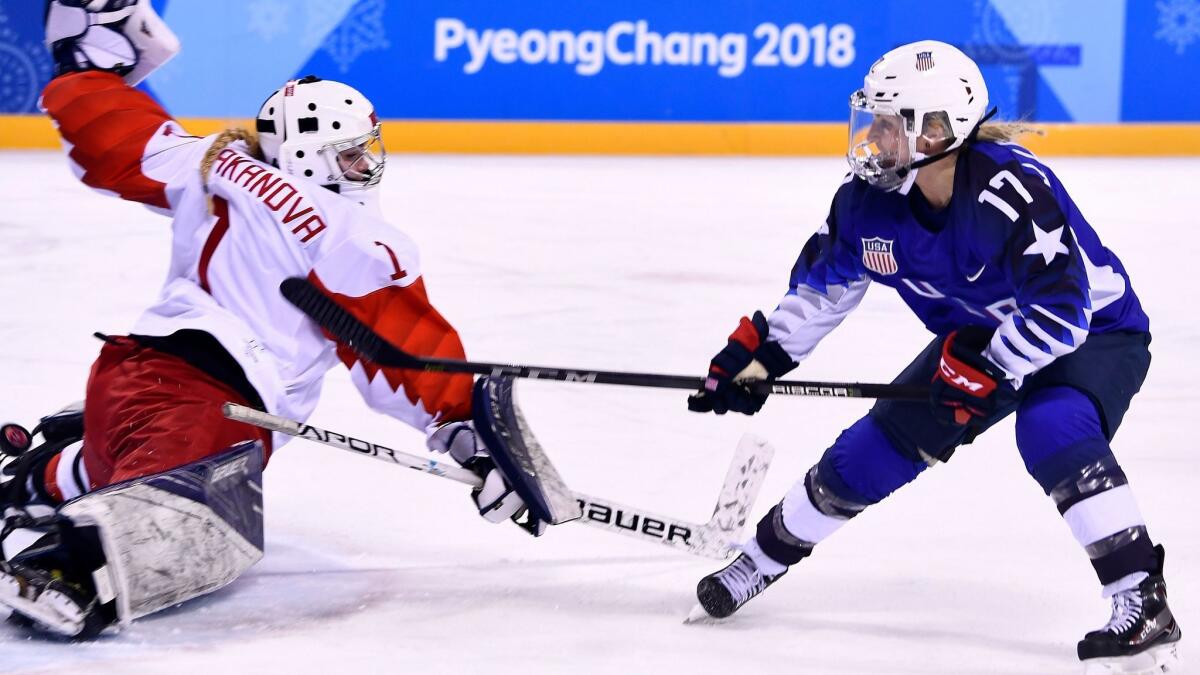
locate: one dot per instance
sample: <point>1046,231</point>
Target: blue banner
<point>637,60</point>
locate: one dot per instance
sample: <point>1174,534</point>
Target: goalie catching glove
<point>748,356</point>
<point>125,37</point>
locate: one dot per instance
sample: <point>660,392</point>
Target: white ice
<point>630,264</point>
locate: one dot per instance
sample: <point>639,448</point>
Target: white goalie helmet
<point>924,90</point>
<point>323,130</point>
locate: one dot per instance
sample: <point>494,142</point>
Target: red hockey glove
<point>967,387</point>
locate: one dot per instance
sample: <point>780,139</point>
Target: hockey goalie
<point>146,496</point>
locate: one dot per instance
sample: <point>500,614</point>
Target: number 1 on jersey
<point>399,273</point>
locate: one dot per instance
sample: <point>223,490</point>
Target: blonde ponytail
<point>223,140</point>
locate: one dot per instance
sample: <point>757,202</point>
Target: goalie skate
<point>51,603</point>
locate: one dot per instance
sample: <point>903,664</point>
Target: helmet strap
<point>926,161</point>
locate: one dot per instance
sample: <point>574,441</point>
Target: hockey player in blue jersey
<point>1031,313</point>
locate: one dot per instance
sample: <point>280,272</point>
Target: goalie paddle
<point>369,345</point>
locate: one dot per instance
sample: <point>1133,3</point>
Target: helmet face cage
<point>356,163</point>
<point>878,147</point>
<point>883,142</point>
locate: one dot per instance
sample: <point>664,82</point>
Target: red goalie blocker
<point>149,412</point>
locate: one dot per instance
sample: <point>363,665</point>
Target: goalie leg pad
<point>511,445</point>
<point>180,534</point>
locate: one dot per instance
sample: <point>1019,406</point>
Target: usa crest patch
<point>924,61</point>
<point>878,255</point>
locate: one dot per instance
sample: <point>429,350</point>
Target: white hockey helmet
<point>925,89</point>
<point>323,130</point>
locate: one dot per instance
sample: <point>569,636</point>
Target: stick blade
<point>742,484</point>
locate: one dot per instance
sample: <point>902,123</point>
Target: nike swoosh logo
<point>973,277</point>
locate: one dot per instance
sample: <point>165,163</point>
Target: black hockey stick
<point>369,345</point>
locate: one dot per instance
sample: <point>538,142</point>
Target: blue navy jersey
<point>1011,252</point>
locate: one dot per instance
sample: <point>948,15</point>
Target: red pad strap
<point>50,478</point>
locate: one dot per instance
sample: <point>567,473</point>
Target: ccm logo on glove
<point>967,386</point>
<point>966,378</point>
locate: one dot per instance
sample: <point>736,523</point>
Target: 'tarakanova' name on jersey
<point>271,189</point>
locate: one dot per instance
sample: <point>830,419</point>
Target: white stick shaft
<point>708,540</point>
<point>358,446</point>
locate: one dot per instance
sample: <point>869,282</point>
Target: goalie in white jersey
<point>248,210</point>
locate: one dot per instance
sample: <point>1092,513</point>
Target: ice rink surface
<point>630,264</point>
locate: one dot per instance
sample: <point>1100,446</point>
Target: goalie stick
<point>369,345</point>
<point>716,538</point>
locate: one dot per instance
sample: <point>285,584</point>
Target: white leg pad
<point>177,535</point>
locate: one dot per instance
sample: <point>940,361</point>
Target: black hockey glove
<point>748,356</point>
<point>968,388</point>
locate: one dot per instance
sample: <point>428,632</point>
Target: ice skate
<point>51,603</point>
<point>1142,636</point>
<point>724,592</point>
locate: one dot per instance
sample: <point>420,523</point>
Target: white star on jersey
<point>1047,244</point>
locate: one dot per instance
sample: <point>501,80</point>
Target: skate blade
<point>52,611</point>
<point>1160,659</point>
<point>699,616</point>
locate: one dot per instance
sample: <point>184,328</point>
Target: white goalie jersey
<point>240,231</point>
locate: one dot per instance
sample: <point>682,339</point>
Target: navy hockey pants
<point>1065,418</point>
<point>1080,399</point>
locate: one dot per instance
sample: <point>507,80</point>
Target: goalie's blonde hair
<point>223,140</point>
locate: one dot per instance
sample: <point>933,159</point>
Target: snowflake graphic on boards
<point>361,31</point>
<point>1178,23</point>
<point>267,18</point>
